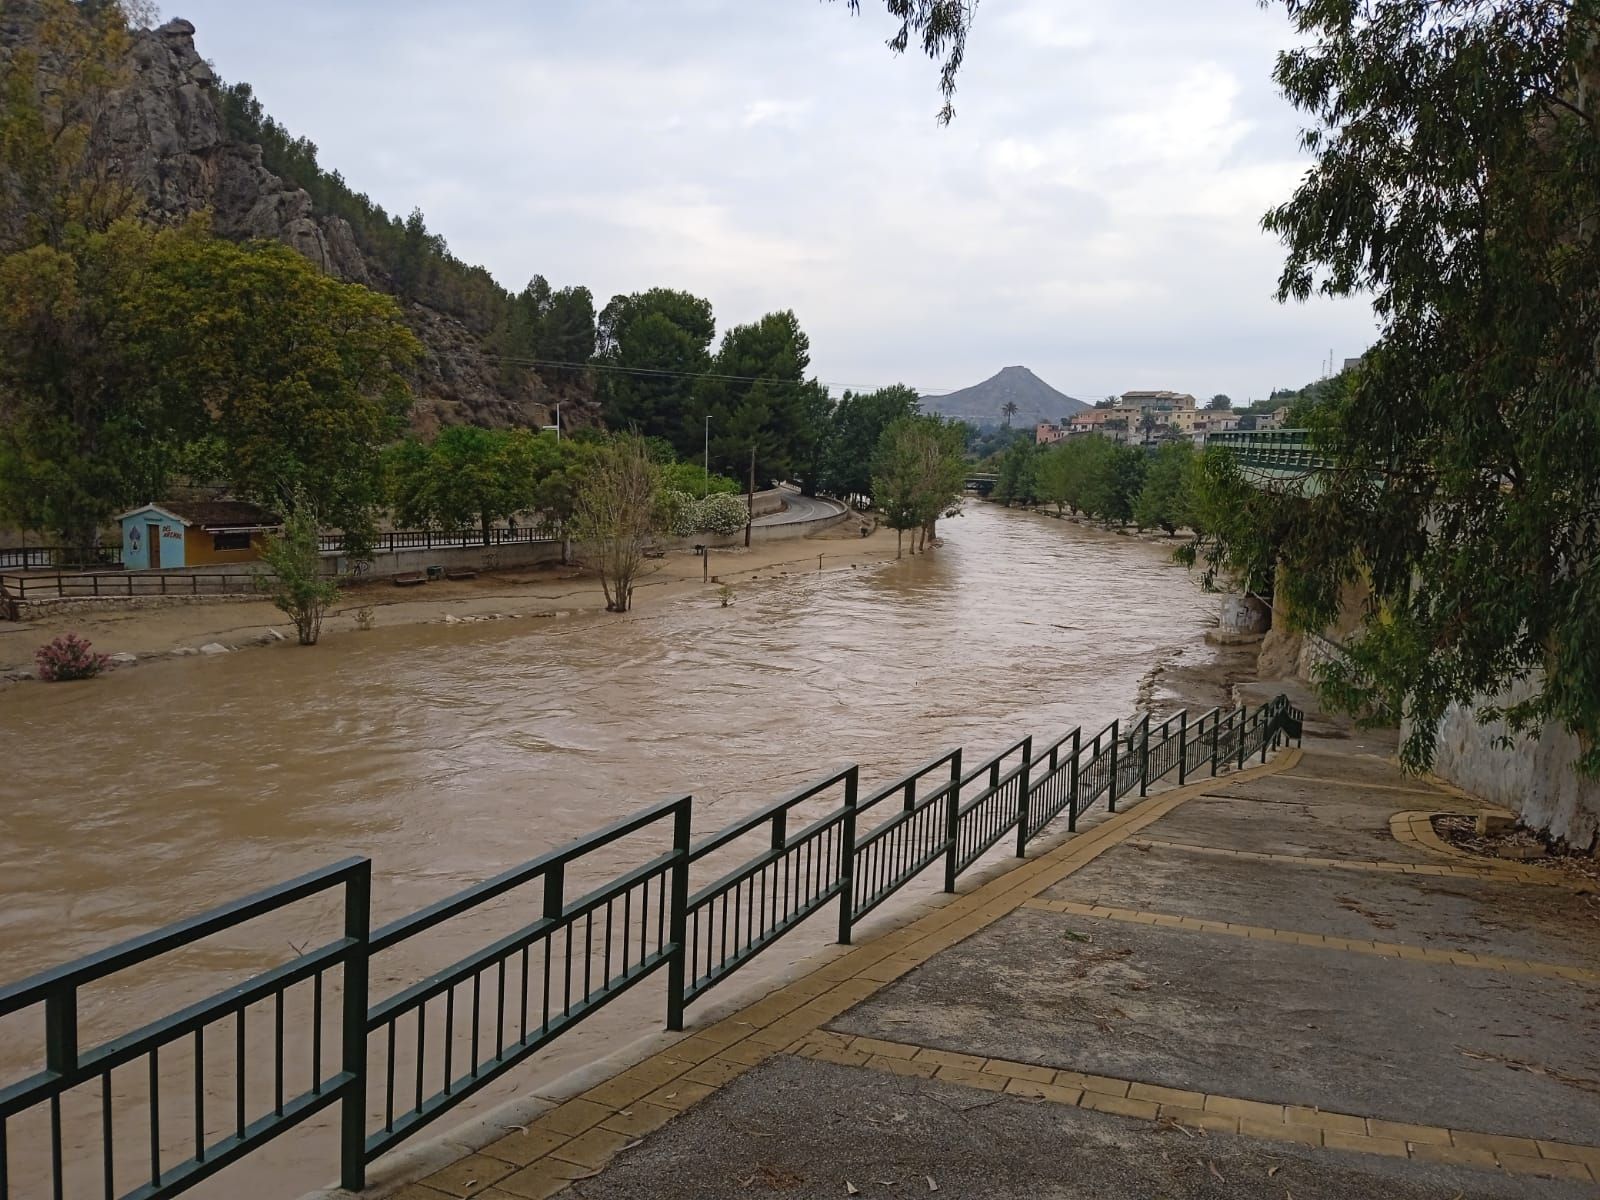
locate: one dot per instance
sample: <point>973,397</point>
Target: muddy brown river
<point>449,753</point>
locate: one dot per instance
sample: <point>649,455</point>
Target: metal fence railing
<point>128,584</point>
<point>395,1062</point>
<point>46,558</point>
<point>444,539</point>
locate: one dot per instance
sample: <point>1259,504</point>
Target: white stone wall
<point>1534,777</point>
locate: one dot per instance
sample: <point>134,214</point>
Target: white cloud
<point>1093,212</point>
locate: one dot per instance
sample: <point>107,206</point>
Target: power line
<point>669,373</point>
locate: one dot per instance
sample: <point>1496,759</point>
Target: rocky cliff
<point>166,135</point>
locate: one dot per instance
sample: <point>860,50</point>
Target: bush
<point>721,513</point>
<point>69,657</point>
<point>678,512</point>
<point>297,585</point>
<point>691,479</point>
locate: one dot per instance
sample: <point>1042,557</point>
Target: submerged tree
<point>297,585</point>
<point>615,515</point>
<point>917,475</point>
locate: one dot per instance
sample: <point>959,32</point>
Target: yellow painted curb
<point>1202,1110</point>
<point>1415,828</point>
<point>576,1138</point>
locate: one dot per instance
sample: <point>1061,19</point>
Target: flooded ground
<point>449,753</point>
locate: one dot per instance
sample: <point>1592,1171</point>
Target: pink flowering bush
<point>68,657</point>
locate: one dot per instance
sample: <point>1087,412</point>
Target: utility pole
<point>750,500</point>
<point>705,484</point>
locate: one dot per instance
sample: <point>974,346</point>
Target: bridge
<point>1282,460</point>
<point>981,482</point>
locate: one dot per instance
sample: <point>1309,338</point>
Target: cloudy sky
<point>1093,212</point>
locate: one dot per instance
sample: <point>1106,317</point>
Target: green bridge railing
<point>405,1059</point>
<point>1273,454</point>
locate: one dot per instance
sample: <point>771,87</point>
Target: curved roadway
<point>801,508</point>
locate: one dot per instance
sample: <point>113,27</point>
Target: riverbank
<point>533,593</point>
<point>448,754</point>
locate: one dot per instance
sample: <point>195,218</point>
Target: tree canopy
<point>1456,182</point>
<point>859,420</point>
<point>126,347</point>
<point>918,471</point>
<point>940,28</point>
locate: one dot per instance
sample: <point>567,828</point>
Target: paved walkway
<point>1273,985</point>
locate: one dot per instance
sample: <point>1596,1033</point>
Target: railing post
<point>1111,788</point>
<point>1144,757</point>
<point>353,1047</point>
<point>1072,796</point>
<point>1022,796</point>
<point>1216,729</point>
<point>678,914</point>
<point>1183,746</point>
<point>1244,716</point>
<point>1267,736</point>
<point>847,857</point>
<point>61,1031</point>
<point>952,819</point>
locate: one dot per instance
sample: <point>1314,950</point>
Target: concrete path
<point>1275,985</point>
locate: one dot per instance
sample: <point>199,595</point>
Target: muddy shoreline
<point>139,635</point>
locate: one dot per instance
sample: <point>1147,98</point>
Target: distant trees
<point>467,476</point>
<point>856,427</point>
<point>658,375</point>
<point>918,472</point>
<point>654,348</point>
<point>1017,479</point>
<point>1099,478</point>
<point>759,399</point>
<point>1219,403</point>
<point>1163,500</point>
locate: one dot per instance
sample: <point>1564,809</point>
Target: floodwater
<point>449,753</point>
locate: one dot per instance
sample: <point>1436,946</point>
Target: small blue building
<point>182,533</point>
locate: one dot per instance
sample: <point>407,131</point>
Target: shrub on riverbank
<point>69,657</point>
<point>683,515</point>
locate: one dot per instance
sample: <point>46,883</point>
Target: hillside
<point>983,403</point>
<point>188,143</point>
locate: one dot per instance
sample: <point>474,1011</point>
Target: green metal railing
<point>405,1059</point>
<point>1275,459</point>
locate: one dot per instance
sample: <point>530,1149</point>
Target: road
<point>801,508</point>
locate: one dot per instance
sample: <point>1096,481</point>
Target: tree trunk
<point>484,517</point>
<point>899,543</point>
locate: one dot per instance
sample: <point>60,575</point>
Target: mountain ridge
<point>984,403</point>
<point>167,134</point>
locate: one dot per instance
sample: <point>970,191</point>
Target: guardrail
<point>1277,450</point>
<point>441,1038</point>
<point>126,584</point>
<point>25,558</point>
<point>444,539</point>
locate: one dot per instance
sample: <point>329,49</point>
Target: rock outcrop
<point>166,135</point>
